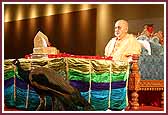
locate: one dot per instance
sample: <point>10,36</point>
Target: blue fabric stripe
<point>9,96</point>
<point>118,98</point>
<point>85,95</point>
<point>99,99</point>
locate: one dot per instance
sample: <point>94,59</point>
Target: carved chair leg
<point>134,105</point>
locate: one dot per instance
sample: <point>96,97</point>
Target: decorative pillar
<point>134,80</point>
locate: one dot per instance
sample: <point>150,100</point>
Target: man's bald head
<point>121,28</point>
<point>124,23</point>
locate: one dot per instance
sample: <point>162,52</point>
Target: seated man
<point>123,45</point>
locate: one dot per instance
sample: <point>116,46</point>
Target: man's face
<point>121,29</point>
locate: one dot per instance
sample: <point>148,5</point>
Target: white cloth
<point>146,45</point>
<point>110,46</point>
<point>123,49</point>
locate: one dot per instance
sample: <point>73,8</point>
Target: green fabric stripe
<point>119,76</point>
<point>97,77</point>
<point>74,75</point>
<point>9,74</point>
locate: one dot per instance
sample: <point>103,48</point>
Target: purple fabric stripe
<point>105,86</point>
<point>21,84</point>
<point>100,86</point>
<point>84,86</point>
<point>80,85</point>
<point>118,84</point>
<point>8,82</point>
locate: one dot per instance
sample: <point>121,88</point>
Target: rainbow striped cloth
<point>102,82</point>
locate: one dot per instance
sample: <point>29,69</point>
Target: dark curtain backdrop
<point>73,33</point>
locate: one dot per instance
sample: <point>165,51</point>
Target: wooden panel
<point>152,85</point>
<point>73,33</point>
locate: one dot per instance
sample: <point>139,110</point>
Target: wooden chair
<point>136,85</point>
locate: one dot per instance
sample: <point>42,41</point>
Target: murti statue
<point>42,45</point>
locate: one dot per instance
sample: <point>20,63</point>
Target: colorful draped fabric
<point>102,82</point>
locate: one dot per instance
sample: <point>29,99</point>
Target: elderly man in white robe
<point>123,45</point>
